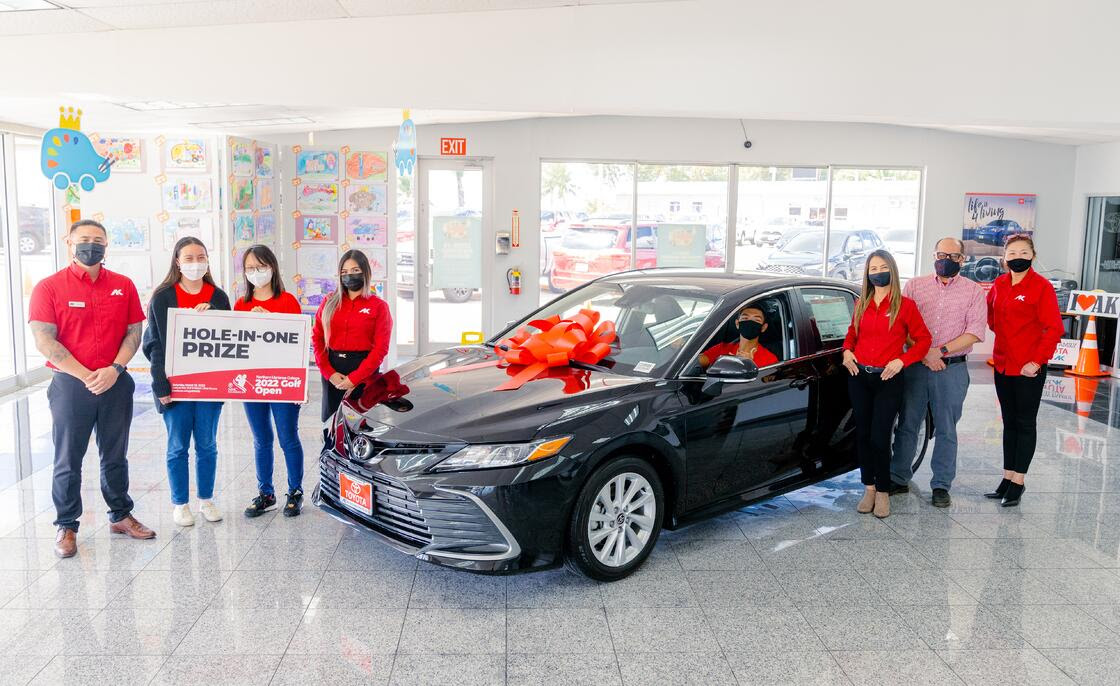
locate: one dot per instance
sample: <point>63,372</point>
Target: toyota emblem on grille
<point>362,448</point>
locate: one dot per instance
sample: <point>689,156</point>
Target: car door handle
<point>799,384</point>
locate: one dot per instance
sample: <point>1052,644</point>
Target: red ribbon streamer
<point>583,338</point>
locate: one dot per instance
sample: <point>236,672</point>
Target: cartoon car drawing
<point>68,157</point>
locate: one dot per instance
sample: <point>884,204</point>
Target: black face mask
<point>353,282</point>
<point>947,268</point>
<point>89,254</point>
<point>1019,265</point>
<point>880,279</point>
<point>749,329</point>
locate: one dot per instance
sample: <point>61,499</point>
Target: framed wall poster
<point>187,194</point>
<point>363,231</point>
<point>185,154</point>
<point>241,158</point>
<point>263,161</point>
<point>989,219</point>
<point>136,266</point>
<point>367,166</point>
<point>318,262</point>
<point>318,198</point>
<point>266,229</point>
<point>264,195</point>
<point>378,263</point>
<point>244,228</point>
<point>312,228</point>
<point>311,292</point>
<point>317,164</point>
<point>127,234</point>
<point>126,150</point>
<point>198,226</point>
<point>367,198</point>
<point>241,194</point>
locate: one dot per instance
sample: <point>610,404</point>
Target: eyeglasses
<point>258,270</point>
<point>954,256</point>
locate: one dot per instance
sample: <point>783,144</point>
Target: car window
<point>830,313</point>
<point>854,244</point>
<point>589,239</point>
<point>779,337</point>
<point>873,238</point>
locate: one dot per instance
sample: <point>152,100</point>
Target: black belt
<point>954,360</point>
<point>869,369</point>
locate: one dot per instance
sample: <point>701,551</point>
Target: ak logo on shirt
<point>117,291</point>
<point>364,310</point>
<point>1021,298</point>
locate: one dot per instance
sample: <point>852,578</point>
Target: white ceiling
<point>1031,69</point>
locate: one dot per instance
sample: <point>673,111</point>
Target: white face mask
<point>194,270</point>
<point>259,279</point>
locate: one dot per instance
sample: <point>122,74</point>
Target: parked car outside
<point>34,230</point>
<point>777,227</point>
<point>586,463</point>
<point>803,253</point>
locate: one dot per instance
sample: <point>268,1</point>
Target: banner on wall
<point>456,252</point>
<point>989,219</point>
<point>680,245</point>
<point>247,356</point>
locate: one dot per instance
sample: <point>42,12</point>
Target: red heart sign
<point>1084,302</point>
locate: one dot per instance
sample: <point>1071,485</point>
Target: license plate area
<point>355,493</point>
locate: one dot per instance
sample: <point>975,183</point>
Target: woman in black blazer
<point>188,285</point>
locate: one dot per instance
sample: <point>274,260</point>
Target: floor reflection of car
<point>459,461</point>
<point>587,251</point>
<point>802,254</point>
<point>996,231</point>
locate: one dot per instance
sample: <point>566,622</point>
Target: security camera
<point>747,144</point>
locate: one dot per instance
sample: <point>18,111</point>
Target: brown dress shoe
<point>66,543</point>
<point>132,528</point>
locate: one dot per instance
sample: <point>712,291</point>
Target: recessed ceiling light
<point>154,105</point>
<point>23,5</point>
<point>248,123</point>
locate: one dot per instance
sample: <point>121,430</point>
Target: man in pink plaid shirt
<point>955,311</point>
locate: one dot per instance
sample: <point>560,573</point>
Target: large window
<point>775,205</point>
<point>684,209</point>
<point>882,204</point>
<point>36,240</point>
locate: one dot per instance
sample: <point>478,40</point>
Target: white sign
<point>248,356</point>
<point>1095,303</point>
<point>1066,352</point>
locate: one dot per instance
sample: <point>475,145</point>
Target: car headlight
<point>503,454</point>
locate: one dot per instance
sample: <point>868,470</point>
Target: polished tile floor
<point>796,590</point>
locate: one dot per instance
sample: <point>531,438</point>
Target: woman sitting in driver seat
<point>751,323</point>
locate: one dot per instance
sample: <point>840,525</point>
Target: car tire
<point>586,555</point>
<point>457,295</point>
<point>923,441</point>
<point>29,244</point>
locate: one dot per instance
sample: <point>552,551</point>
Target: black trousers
<point>875,405</point>
<point>344,362</point>
<point>76,413</point>
<point>1019,398</point>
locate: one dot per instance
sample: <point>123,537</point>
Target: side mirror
<point>728,369</point>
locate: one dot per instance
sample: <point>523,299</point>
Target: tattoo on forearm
<point>131,342</point>
<point>46,342</point>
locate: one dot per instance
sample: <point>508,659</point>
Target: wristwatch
<point>944,350</point>
<point>119,367</point>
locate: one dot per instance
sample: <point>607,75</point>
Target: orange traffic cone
<point>1089,359</point>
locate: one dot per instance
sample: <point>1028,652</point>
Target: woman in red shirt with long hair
<point>351,332</point>
<point>874,356</point>
<point>1023,312</point>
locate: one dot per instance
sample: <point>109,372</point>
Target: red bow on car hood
<point>583,338</point>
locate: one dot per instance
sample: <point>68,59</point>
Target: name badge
<point>77,303</point>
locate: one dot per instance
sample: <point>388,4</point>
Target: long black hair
<point>265,256</point>
<point>174,274</point>
<point>335,298</point>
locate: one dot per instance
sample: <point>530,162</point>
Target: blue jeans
<point>183,420</point>
<point>944,392</point>
<point>286,418</point>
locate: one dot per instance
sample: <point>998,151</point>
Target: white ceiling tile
<point>46,22</point>
<point>215,12</point>
<point>79,4</point>
<point>387,8</point>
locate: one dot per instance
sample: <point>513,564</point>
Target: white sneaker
<point>210,511</point>
<point>182,515</point>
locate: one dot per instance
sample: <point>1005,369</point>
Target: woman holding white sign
<point>188,285</point>
<point>264,292</point>
<point>351,332</point>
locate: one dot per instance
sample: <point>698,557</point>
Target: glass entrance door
<point>455,229</point>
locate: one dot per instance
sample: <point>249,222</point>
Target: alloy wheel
<point>622,519</point>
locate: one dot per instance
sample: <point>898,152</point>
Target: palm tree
<point>557,182</point>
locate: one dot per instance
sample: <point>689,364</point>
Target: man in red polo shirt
<point>87,321</point>
<point>751,322</point>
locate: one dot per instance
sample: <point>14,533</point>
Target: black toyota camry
<point>444,459</point>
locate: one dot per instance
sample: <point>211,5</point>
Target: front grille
<point>782,268</point>
<point>395,509</point>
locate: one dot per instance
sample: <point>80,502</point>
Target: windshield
<point>652,322</point>
<point>590,239</point>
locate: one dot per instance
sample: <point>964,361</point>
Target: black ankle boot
<point>1014,495</point>
<point>1000,490</point>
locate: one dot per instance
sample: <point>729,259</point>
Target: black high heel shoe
<point>1014,495</point>
<point>1000,490</point>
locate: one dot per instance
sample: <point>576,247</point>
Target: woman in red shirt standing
<point>264,292</point>
<point>351,332</point>
<point>1023,312</point>
<point>874,356</point>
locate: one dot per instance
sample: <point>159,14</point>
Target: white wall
<point>953,163</point>
<point>1097,172</point>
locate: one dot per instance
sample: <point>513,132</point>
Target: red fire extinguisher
<point>513,278</point>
